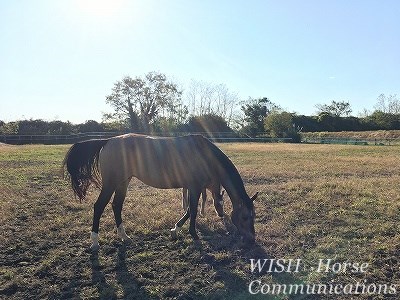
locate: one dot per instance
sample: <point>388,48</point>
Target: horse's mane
<point>234,180</point>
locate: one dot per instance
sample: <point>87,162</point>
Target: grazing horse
<point>218,200</point>
<point>192,162</point>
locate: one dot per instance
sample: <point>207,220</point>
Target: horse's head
<point>243,219</point>
<point>219,204</point>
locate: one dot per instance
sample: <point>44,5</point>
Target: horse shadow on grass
<point>131,287</point>
<point>105,290</point>
<point>216,251</point>
<point>210,253</point>
<point>219,241</point>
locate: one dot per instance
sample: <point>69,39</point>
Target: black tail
<point>81,161</point>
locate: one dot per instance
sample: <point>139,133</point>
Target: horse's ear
<point>254,197</point>
<point>223,192</point>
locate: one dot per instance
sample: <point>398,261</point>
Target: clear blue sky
<point>60,58</point>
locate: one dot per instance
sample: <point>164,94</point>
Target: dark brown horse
<point>191,162</point>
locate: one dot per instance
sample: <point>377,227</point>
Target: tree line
<point>154,104</point>
<point>205,123</point>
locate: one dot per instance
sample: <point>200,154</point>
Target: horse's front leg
<point>194,196</point>
<point>117,204</point>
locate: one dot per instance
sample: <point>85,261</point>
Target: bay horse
<point>192,162</point>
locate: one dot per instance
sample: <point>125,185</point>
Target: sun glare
<point>100,8</point>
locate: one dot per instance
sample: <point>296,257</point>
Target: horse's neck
<point>229,177</point>
<point>236,191</point>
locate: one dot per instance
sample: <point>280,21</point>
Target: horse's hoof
<point>174,236</point>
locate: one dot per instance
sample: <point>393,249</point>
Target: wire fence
<point>219,137</point>
<point>351,141</point>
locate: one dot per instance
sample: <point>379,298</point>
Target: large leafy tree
<point>281,125</point>
<point>209,123</point>
<point>142,100</point>
<point>255,111</point>
<point>336,109</point>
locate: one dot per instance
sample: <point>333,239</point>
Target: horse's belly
<point>170,180</point>
<point>161,184</point>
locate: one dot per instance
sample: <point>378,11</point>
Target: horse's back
<point>160,162</point>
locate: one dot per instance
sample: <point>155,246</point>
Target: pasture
<point>316,202</point>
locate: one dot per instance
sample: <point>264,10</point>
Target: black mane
<point>233,182</point>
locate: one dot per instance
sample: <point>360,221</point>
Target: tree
<point>379,120</point>
<point>337,109</point>
<point>280,124</point>
<point>90,126</point>
<point>9,128</point>
<point>60,128</point>
<point>211,124</point>
<point>388,104</point>
<point>142,100</point>
<point>206,98</point>
<point>255,111</point>
<point>31,126</point>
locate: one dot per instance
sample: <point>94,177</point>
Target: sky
<point>59,59</point>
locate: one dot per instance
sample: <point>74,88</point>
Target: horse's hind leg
<point>191,212</point>
<point>185,200</point>
<point>179,224</point>
<point>203,202</point>
<point>117,204</point>
<point>102,200</point>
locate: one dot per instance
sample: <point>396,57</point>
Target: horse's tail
<point>82,165</point>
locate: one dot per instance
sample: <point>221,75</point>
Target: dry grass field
<point>387,137</point>
<point>316,202</point>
